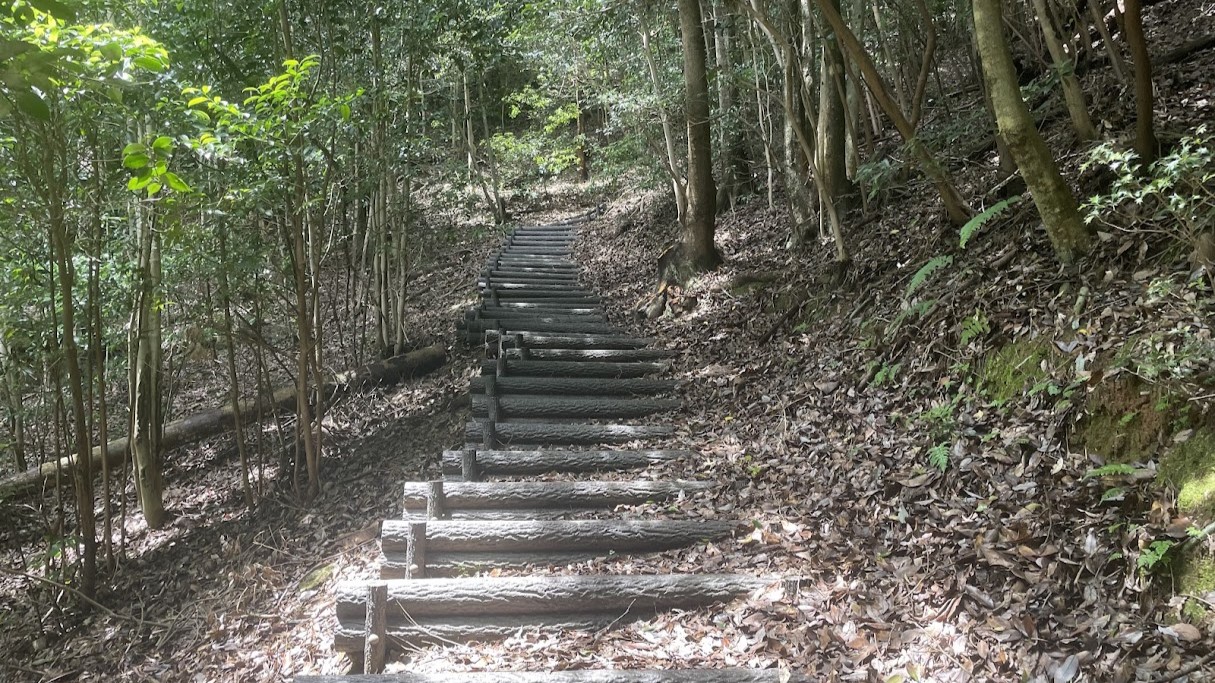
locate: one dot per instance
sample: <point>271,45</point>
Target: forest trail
<point>533,486</point>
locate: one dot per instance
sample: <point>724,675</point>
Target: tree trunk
<point>668,134</point>
<point>832,123</point>
<point>697,251</point>
<point>146,421</point>
<point>1073,94</point>
<point>957,209</point>
<point>1051,194</point>
<point>1145,133</point>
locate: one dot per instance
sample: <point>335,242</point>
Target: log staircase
<point>557,379</point>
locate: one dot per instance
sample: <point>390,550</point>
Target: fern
<point>973,225</point>
<point>921,276</point>
<point>1107,470</point>
<point>938,456</point>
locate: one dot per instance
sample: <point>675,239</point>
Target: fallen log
<point>539,495</point>
<point>594,407</point>
<point>218,420</point>
<point>577,385</point>
<point>500,311</point>
<point>579,676</point>
<point>565,434</point>
<point>526,463</point>
<point>573,368</point>
<point>533,287</point>
<point>511,317</point>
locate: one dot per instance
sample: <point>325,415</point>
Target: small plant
<point>1173,194</point>
<point>938,456</point>
<point>975,224</point>
<point>1157,553</point>
<point>974,327</point>
<point>1114,469</point>
<point>886,374</point>
<point>926,271</point>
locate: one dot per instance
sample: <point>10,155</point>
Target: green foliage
<point>976,326</point>
<point>1189,467</point>
<point>886,374</point>
<point>1155,556</point>
<point>877,176</point>
<point>926,271</point>
<point>975,224</point>
<point>1174,194</point>
<point>1110,470</point>
<point>938,456</point>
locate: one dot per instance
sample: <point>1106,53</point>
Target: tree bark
<point>1073,94</point>
<point>1054,199</point>
<point>1145,133</point>
<point>697,251</point>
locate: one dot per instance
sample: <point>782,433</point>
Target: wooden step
<point>561,368</point>
<point>602,355</point>
<point>416,549</point>
<point>561,433</point>
<point>495,463</point>
<point>593,407</point>
<point>465,499</point>
<point>446,610</point>
<point>477,328</point>
<point>576,385</point>
<point>580,676</point>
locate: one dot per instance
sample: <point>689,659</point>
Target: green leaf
<point>135,161</point>
<point>55,9</point>
<point>150,63</point>
<point>32,105</point>
<point>972,226</point>
<point>197,101</point>
<point>134,148</point>
<point>1107,470</point>
<point>921,276</point>
<point>153,188</point>
<point>202,116</point>
<point>345,109</point>
<point>137,183</point>
<point>176,183</point>
<point>162,143</point>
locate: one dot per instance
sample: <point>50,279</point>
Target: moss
<point>1127,420</point>
<point>1190,468</point>
<point>1014,368</point>
<point>1195,576</point>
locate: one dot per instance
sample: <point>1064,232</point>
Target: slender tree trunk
<point>668,133</point>
<point>1051,194</point>
<point>1145,133</point>
<point>1073,94</point>
<point>832,122</point>
<point>145,376</point>
<point>238,426</point>
<point>1111,48</point>
<point>955,206</point>
<point>697,251</point>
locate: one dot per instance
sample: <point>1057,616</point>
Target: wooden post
<point>415,551</point>
<point>469,469</point>
<point>489,431</point>
<point>524,352</point>
<point>377,626</point>
<point>436,502</point>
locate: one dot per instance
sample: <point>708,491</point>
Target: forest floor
<point>922,457</point>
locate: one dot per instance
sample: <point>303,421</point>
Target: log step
<point>565,434</point>
<point>547,286</point>
<point>572,406</point>
<point>499,310</point>
<point>583,296</point>
<point>536,340</point>
<point>576,385</point>
<point>443,547</point>
<point>543,495</point>
<point>604,355</point>
<point>478,327</point>
<point>494,463</point>
<point>581,676</point>
<point>561,368</point>
<point>465,609</point>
